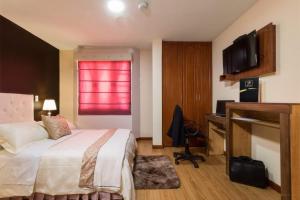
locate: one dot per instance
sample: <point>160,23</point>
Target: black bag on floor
<point>248,171</point>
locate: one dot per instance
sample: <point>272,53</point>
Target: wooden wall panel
<point>191,73</point>
<point>28,65</point>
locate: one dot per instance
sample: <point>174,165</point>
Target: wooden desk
<point>285,117</point>
<point>215,134</point>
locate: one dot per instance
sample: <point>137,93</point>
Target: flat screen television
<point>242,55</point>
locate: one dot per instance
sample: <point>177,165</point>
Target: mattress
<point>57,171</point>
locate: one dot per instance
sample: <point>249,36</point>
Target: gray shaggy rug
<point>154,172</point>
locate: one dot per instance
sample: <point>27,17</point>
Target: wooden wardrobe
<point>187,81</point>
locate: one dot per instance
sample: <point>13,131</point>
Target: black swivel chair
<point>181,131</point>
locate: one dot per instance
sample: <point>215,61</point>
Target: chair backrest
<point>176,130</point>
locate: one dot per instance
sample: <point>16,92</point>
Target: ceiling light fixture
<point>116,6</point>
<point>143,4</point>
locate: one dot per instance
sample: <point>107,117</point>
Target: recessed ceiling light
<point>116,6</point>
<point>143,4</point>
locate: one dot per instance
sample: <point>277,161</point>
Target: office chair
<point>181,131</point>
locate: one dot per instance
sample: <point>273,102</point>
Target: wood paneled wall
<point>28,65</point>
<point>187,81</point>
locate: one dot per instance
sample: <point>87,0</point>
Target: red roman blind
<point>104,87</point>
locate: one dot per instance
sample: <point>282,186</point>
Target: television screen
<point>253,49</point>
<point>242,55</point>
<point>239,54</point>
<point>227,61</point>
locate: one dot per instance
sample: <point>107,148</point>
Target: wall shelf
<point>257,121</point>
<point>267,56</point>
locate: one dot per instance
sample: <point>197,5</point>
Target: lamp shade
<point>49,104</point>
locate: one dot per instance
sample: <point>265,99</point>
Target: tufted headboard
<point>16,107</point>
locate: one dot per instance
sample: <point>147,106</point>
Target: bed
<point>71,167</point>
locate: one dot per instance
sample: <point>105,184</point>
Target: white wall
<point>146,93</point>
<point>281,87</point>
<point>111,121</point>
<point>157,91</point>
<point>104,121</point>
<point>135,92</point>
<point>143,83</point>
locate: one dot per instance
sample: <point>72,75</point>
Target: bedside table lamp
<point>49,104</point>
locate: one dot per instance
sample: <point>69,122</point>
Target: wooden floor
<point>208,182</point>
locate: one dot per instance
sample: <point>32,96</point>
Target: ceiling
<point>68,23</point>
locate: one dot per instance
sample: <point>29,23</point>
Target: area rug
<point>154,172</point>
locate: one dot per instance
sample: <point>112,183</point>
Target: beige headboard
<point>16,108</point>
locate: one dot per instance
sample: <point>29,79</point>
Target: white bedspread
<point>18,172</point>
<point>60,165</point>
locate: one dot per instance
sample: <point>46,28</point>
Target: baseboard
<point>157,146</point>
<point>143,138</point>
<point>275,186</point>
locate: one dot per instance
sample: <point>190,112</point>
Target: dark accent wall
<point>28,65</point>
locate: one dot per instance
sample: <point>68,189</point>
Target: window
<point>104,87</point>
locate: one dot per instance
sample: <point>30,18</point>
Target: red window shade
<point>104,87</point>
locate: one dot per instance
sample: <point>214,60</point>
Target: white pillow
<point>15,136</point>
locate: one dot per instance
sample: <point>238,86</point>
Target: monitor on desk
<point>221,107</point>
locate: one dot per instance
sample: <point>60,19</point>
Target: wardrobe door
<point>186,82</point>
<point>203,83</point>
<point>197,94</point>
<point>189,77</point>
<point>172,85</point>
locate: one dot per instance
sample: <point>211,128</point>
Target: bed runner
<point>90,158</point>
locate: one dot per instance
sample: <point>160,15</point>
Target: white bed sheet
<point>62,186</point>
<point>18,172</point>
